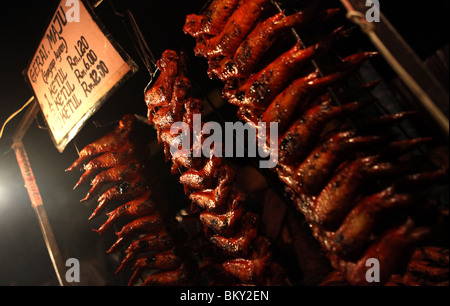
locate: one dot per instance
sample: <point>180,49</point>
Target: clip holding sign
<point>75,69</point>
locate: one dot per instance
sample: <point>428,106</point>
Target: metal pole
<point>403,60</point>
<point>34,194</point>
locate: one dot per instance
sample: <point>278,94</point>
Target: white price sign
<point>75,68</point>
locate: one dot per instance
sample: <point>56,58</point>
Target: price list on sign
<point>74,70</point>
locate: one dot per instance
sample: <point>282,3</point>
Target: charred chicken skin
<point>112,141</point>
<point>254,47</point>
<point>209,183</point>
<point>140,209</point>
<point>348,179</point>
<point>362,193</point>
<point>238,25</point>
<point>212,21</point>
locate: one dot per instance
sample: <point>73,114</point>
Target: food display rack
<point>396,52</point>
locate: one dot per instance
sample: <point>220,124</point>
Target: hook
<point>115,11</point>
<point>137,39</point>
<point>41,127</point>
<point>99,125</point>
<point>97,3</point>
<point>76,146</point>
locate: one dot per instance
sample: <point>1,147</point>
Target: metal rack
<point>403,60</point>
<point>389,43</point>
<point>398,55</point>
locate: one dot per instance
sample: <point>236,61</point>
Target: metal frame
<point>403,60</point>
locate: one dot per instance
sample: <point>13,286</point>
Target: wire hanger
<point>139,42</point>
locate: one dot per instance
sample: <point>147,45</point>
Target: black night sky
<point>24,260</point>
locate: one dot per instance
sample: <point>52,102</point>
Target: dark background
<point>24,260</point>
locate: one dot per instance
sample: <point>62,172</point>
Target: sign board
<point>74,70</point>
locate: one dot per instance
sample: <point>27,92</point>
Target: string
<point>15,114</point>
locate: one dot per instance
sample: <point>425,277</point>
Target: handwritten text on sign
<point>74,67</point>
